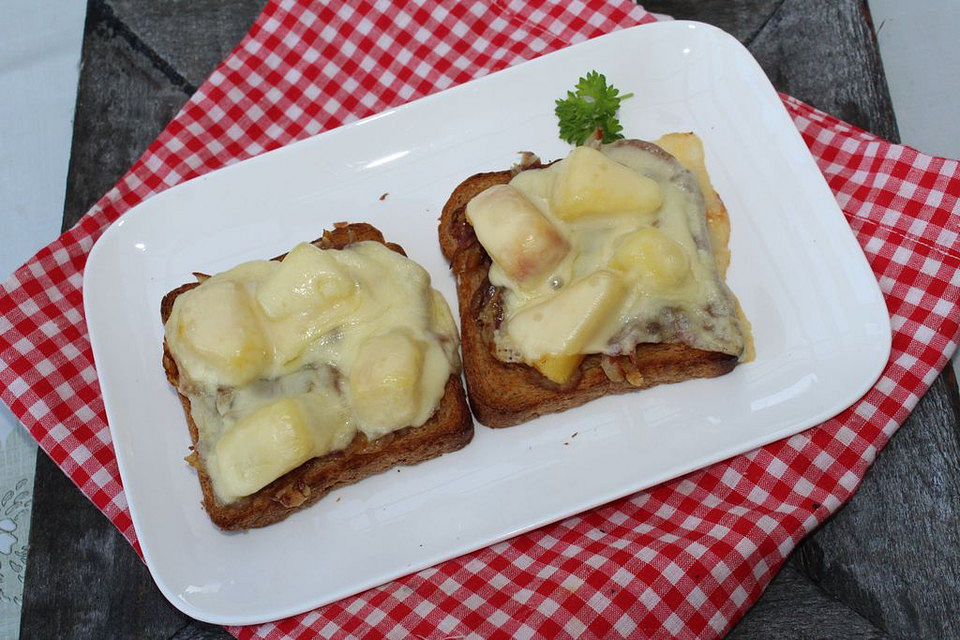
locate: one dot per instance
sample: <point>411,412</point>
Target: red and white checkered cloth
<point>684,559</point>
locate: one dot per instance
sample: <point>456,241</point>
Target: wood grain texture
<point>123,102</point>
<point>825,53</point>
<point>794,608</point>
<point>743,19</point>
<point>192,35</point>
<point>201,631</point>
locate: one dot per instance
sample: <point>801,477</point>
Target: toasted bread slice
<point>450,428</point>
<point>504,394</point>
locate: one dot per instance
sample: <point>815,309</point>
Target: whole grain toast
<point>503,394</point>
<point>449,429</point>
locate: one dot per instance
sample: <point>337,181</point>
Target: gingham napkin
<point>685,559</point>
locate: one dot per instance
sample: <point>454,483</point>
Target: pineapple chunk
<point>688,150</point>
<point>558,368</point>
<point>307,278</point>
<point>261,448</point>
<point>249,273</point>
<point>536,184</point>
<point>566,322</point>
<point>329,419</point>
<point>657,261</point>
<point>516,235</point>
<point>441,320</point>
<point>218,323</point>
<point>590,184</point>
<point>385,382</point>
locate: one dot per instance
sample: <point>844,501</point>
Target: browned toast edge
<point>505,394</point>
<point>449,429</point>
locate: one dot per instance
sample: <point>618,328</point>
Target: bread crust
<point>505,394</point>
<point>449,429</point>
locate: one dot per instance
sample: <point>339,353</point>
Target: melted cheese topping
<point>287,360</point>
<point>632,261</point>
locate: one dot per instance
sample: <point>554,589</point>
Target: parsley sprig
<point>593,106</point>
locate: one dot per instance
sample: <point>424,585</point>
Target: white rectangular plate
<point>821,327</point>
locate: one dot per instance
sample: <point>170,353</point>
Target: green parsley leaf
<point>593,106</point>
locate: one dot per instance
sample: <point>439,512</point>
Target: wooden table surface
<point>887,565</point>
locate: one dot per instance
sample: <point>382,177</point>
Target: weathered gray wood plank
<point>742,19</point>
<point>192,35</point>
<point>893,553</point>
<point>825,53</point>
<point>195,630</point>
<point>123,102</point>
<point>83,580</point>
<point>794,608</point>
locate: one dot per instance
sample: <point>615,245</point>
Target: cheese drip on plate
<point>284,361</point>
<point>604,250</point>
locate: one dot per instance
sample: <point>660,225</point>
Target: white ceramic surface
<point>821,327</point>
